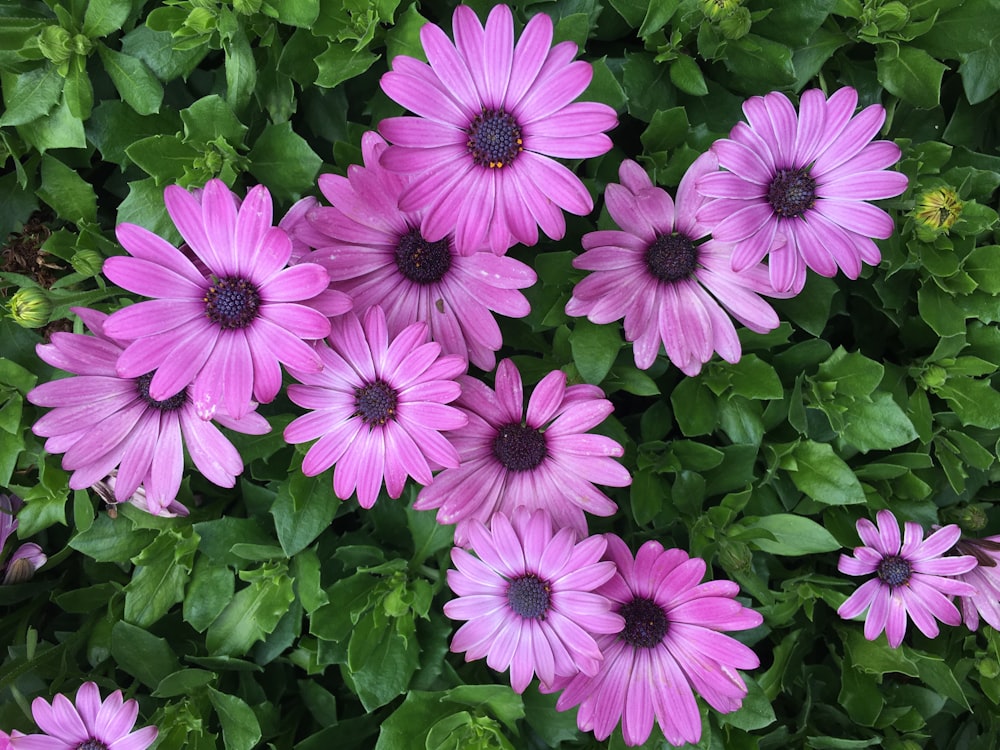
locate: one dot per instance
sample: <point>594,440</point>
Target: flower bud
<point>55,43</point>
<point>30,307</point>
<point>735,556</point>
<point>938,209</point>
<point>736,25</point>
<point>87,262</point>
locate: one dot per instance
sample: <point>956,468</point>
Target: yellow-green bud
<point>736,25</point>
<point>719,9</point>
<point>938,209</point>
<point>30,307</point>
<point>969,517</point>
<point>247,7</point>
<point>87,262</point>
<point>735,556</point>
<point>82,45</point>
<point>55,43</point>
<point>933,377</point>
<point>988,668</point>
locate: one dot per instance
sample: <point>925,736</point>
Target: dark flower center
<point>519,447</point>
<point>645,623</point>
<point>894,570</point>
<point>92,744</point>
<point>376,403</point>
<point>528,596</point>
<point>420,261</point>
<point>792,192</point>
<point>170,404</point>
<point>494,139</point>
<point>671,257</point>
<point>232,302</point>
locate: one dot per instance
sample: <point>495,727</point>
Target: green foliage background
<point>278,616</point>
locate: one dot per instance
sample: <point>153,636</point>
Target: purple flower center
<point>894,570</point>
<point>170,404</point>
<point>494,139</point>
<point>92,744</point>
<point>231,302</point>
<point>792,192</point>
<point>671,257</point>
<point>420,261</point>
<point>519,447</point>
<point>376,403</point>
<point>645,622</point>
<point>529,596</point>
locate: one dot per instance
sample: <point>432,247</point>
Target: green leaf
<point>253,613</point>
<point>595,348</point>
<point>157,50</point>
<point>604,87</point>
<point>911,74</point>
<point>822,475</point>
<point>877,423</point>
<point>647,495</point>
<point>144,656</point>
<point>694,407</point>
<point>241,70</point>
<point>210,590</point>
<point>78,93</point>
<point>646,86</point>
<point>754,378</point>
<point>209,118</point>
<point>161,574</point>
<point>388,665</point>
<point>793,535</point>
<point>105,16</point>
<point>756,711</point>
<point>112,540</point>
<point>183,682</point>
<point>302,510</point>
<point>144,206</point>
<point>980,73</point>
<point>687,76</point>
<point>283,161</point>
<point>403,38</point>
<point>31,95</point>
<point>67,192</point>
<point>341,62</point>
<point>939,311</point>
<point>975,402</point>
<point>240,728</point>
<point>302,13</point>
<point>134,81</point>
<point>668,129</point>
<point>854,374</point>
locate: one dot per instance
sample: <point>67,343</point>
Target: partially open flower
<point>27,558</point>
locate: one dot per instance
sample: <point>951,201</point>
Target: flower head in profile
<point>528,598</point>
<point>105,488</point>
<point>542,457</point>
<point>673,645</point>
<point>491,114</point>
<point>796,186</point>
<point>90,724</point>
<point>224,333</point>
<point>985,578</point>
<point>101,421</point>
<point>377,408</point>
<point>24,560</point>
<point>664,273</point>
<point>910,578</point>
<point>376,253</point>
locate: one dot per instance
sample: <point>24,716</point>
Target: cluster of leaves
<point>277,615</point>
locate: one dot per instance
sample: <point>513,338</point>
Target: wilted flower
<point>27,558</point>
<point>985,578</point>
<point>105,488</point>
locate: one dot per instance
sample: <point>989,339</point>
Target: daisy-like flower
<point>91,724</point>
<point>544,458</point>
<point>796,186</point>
<point>376,253</point>
<point>666,275</point>
<point>672,646</point>
<point>377,407</point>
<point>528,598</point>
<point>102,421</point>
<point>490,116</point>
<point>27,558</point>
<point>985,578</point>
<point>224,333</point>
<point>910,578</point>
<point>105,489</point>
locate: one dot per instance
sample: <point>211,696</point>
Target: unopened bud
<point>938,209</point>
<point>55,43</point>
<point>737,24</point>
<point>87,262</point>
<point>735,556</point>
<point>30,307</point>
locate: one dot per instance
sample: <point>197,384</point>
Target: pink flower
<point>909,578</point>
<point>376,253</point>
<point>796,186</point>
<point>102,421</point>
<point>985,578</point>
<point>490,116</point>
<point>542,459</point>
<point>378,407</point>
<point>671,647</point>
<point>528,598</point>
<point>224,334</point>
<point>89,725</point>
<point>27,558</point>
<point>666,275</point>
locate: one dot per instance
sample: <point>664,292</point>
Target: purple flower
<point>376,253</point>
<point>490,114</point>
<point>909,578</point>
<point>797,185</point>
<point>542,459</point>
<point>528,598</point>
<point>89,725</point>
<point>27,558</point>
<point>378,407</point>
<point>672,646</point>
<point>985,578</point>
<point>105,488</point>
<point>223,333</point>
<point>102,421</point>
<point>667,277</point>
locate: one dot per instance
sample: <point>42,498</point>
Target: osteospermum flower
<point>672,646</point>
<point>796,185</point>
<point>225,333</point>
<point>377,254</point>
<point>666,275</point>
<point>910,578</point>
<point>24,560</point>
<point>490,116</point>
<point>544,458</point>
<point>984,578</point>
<point>377,408</point>
<point>91,724</point>
<point>528,598</point>
<point>102,421</point>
